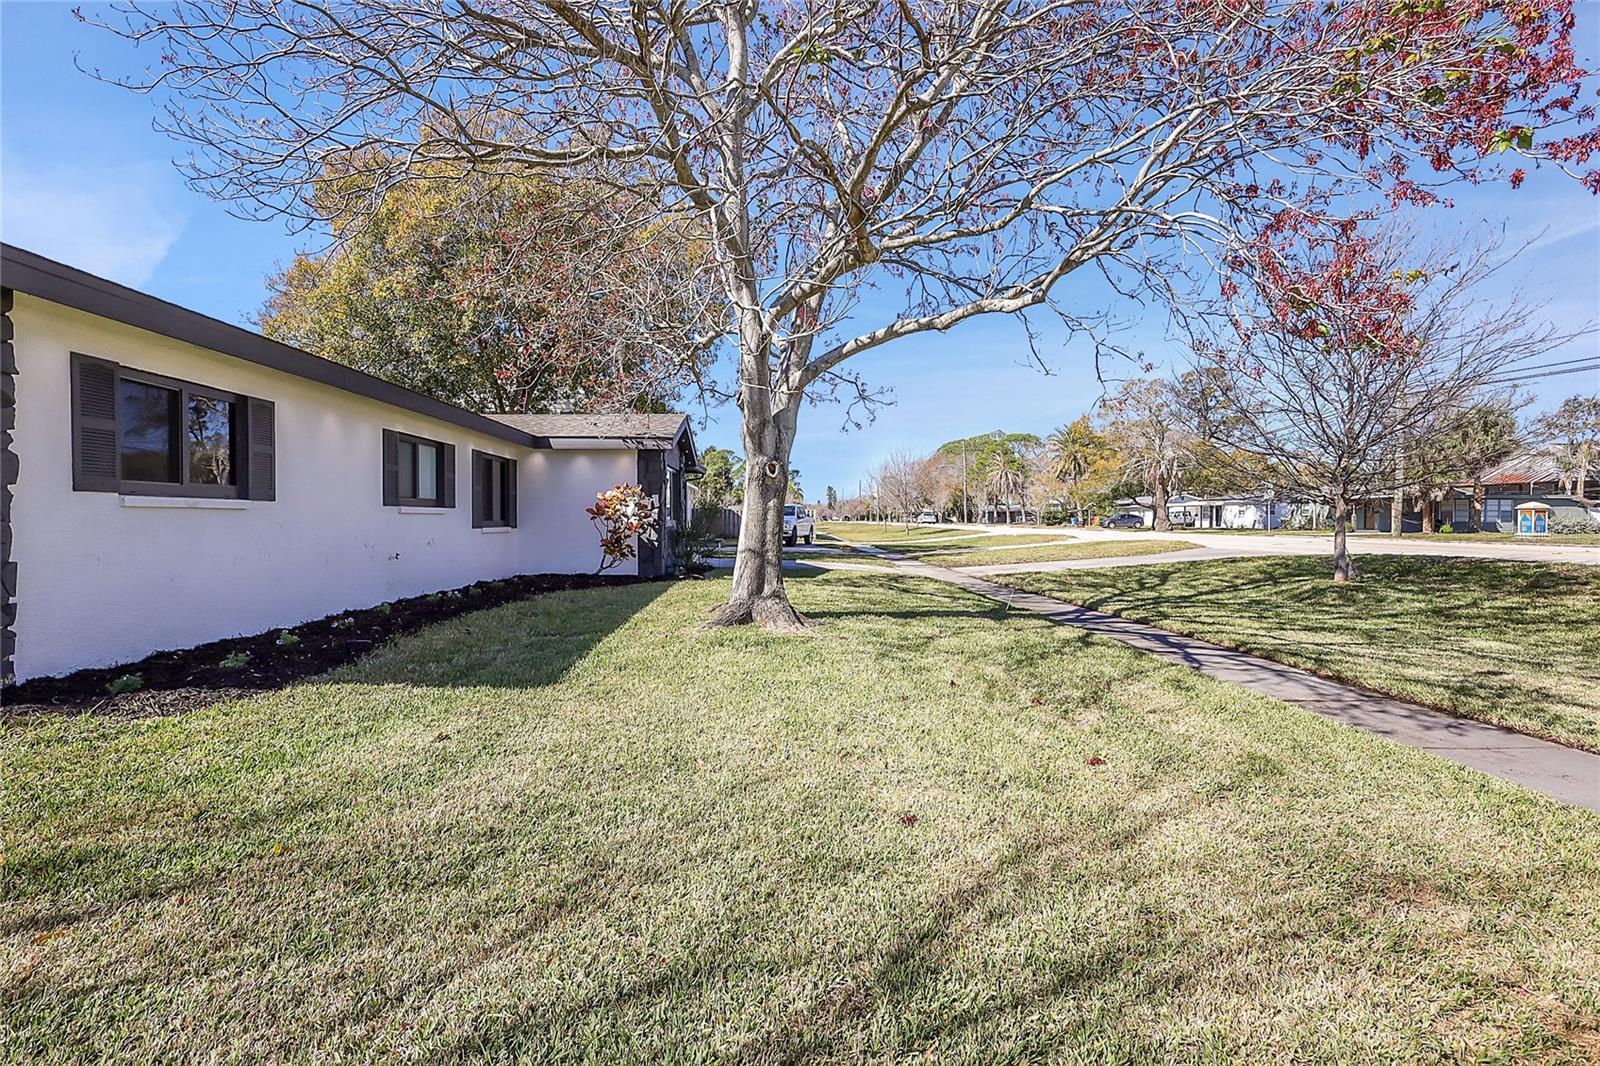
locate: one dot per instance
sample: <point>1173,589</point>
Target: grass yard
<point>1507,642</point>
<point>579,829</point>
<point>886,533</point>
<point>1557,541</point>
<point>1096,549</point>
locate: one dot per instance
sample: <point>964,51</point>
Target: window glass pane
<point>407,482</point>
<point>148,416</point>
<point>496,488</point>
<point>209,429</point>
<point>427,472</point>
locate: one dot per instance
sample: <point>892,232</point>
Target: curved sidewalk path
<point>1564,773</point>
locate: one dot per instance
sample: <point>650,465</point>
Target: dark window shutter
<point>261,441</point>
<point>447,475</point>
<point>391,469</point>
<point>511,492</point>
<point>94,425</point>
<point>480,488</point>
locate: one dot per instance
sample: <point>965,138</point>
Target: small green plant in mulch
<point>236,660</point>
<point>287,639</point>
<point>125,683</point>
<point>384,608</point>
<point>433,597</point>
<point>343,623</point>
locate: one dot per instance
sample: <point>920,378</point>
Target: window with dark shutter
<point>143,434</point>
<point>261,434</point>
<point>494,491</point>
<point>418,472</point>
<point>95,461</point>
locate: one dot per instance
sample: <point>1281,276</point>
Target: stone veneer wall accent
<point>8,478</point>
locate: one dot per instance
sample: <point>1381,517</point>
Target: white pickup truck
<point>798,522</point>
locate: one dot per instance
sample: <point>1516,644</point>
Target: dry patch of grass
<point>1513,643</point>
<point>581,829</point>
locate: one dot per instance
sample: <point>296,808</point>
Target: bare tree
<point>977,153</point>
<point>903,484</point>
<point>1338,348</point>
<point>1146,427</point>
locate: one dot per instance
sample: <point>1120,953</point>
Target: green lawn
<point>1559,541</point>
<point>1097,549</point>
<point>580,829</point>
<point>1563,540</point>
<point>1506,642</point>
<point>887,533</point>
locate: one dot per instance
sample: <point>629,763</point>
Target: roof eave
<point>46,279</point>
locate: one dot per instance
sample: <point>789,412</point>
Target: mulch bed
<point>172,682</point>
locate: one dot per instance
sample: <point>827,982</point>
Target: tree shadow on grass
<point>530,644</point>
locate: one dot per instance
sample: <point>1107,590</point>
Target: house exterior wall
<point>105,578</point>
<point>555,487</point>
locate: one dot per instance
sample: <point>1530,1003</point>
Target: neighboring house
<point>1537,475</point>
<point>1220,512</point>
<point>170,479</point>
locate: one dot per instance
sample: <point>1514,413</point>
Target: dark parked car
<point>1128,520</point>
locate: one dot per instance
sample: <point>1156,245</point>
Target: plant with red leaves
<point>623,515</point>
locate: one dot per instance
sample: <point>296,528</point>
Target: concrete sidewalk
<point>1563,773</point>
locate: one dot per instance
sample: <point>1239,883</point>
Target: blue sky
<point>85,179</point>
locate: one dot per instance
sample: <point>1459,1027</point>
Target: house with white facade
<point>169,479</point>
<point>1223,512</point>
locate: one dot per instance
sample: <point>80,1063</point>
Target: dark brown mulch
<point>178,681</point>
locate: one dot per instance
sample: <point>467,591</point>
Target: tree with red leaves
<point>970,155</point>
<point>1340,351</point>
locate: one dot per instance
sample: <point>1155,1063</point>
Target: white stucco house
<point>169,479</point>
<point>1221,512</point>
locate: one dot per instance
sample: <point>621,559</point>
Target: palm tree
<point>1005,480</point>
<point>1074,448</point>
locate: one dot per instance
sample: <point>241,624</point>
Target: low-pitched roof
<point>636,430</point>
<point>33,274</point>
<point>651,426</point>
<point>1533,466</point>
<point>30,273</point>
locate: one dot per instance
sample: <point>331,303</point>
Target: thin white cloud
<point>116,221</point>
<point>1560,232</point>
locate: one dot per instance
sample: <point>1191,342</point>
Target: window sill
<point>404,509</point>
<point>191,503</point>
<point>495,529</point>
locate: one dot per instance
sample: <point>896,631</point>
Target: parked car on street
<point>1126,520</point>
<point>928,518</point>
<point>798,522</point>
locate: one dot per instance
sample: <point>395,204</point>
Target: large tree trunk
<point>1158,497</point>
<point>1477,506</point>
<point>758,594</point>
<point>1430,504</point>
<point>1397,513</point>
<point>1343,566</point>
